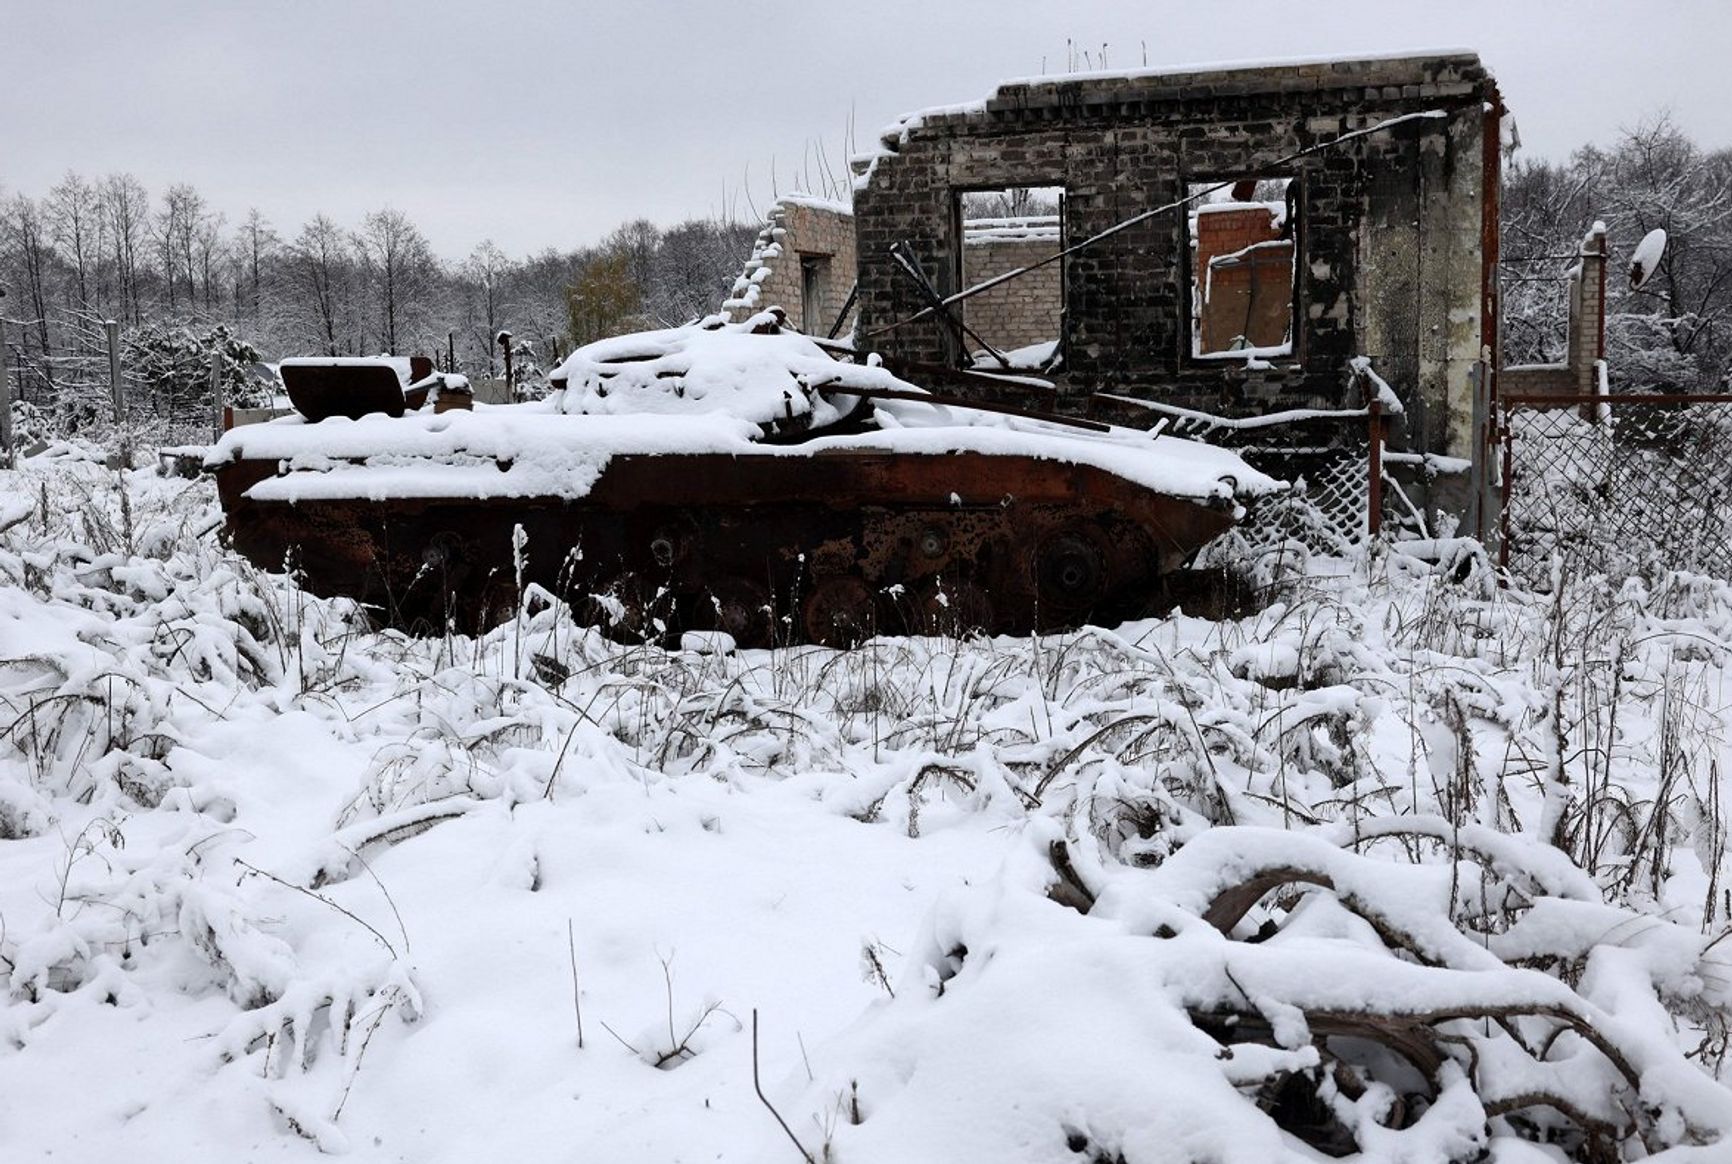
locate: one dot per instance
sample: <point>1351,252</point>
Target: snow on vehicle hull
<point>728,476</point>
<point>828,547</point>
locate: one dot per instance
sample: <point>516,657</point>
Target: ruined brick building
<point>803,262</point>
<point>1392,232</point>
<point>1236,239</point>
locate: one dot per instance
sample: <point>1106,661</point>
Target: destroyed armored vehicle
<point>737,477</point>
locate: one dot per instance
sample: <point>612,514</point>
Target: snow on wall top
<point>1248,65</point>
<point>1027,228</point>
<point>766,249</point>
<point>816,202</point>
<point>1163,81</point>
<point>1277,210</point>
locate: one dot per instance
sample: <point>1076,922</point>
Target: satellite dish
<point>1647,258</point>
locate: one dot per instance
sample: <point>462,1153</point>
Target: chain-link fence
<point>1327,508</point>
<point>1327,458</point>
<point>1619,485</point>
<point>1343,493</point>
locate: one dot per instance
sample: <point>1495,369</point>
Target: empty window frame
<point>1021,319</point>
<point>1242,268</point>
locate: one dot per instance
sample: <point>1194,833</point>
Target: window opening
<point>1242,268</point>
<point>1001,230</point>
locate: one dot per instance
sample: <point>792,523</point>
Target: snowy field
<point>273,885</point>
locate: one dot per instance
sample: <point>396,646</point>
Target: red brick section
<point>1250,297</point>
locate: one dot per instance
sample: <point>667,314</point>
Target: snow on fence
<point>1343,494</point>
<point>1330,508</point>
<point>1337,459</point>
<point>1624,485</point>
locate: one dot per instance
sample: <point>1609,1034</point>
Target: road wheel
<point>1070,573</point>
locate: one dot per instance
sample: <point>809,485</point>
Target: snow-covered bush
<point>170,364</point>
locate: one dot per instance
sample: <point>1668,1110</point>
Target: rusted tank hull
<point>829,547</point>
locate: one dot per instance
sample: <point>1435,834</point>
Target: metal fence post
<point>1507,430</point>
<point>111,328</point>
<point>216,393</point>
<point>6,451</point>
<point>1484,470</point>
<point>1374,490</point>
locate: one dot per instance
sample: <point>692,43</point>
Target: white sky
<point>543,122</point>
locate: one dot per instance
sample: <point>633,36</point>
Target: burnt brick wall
<point>1389,230</point>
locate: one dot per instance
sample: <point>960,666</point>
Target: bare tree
<point>255,247</point>
<point>74,221</point>
<point>321,273</point>
<point>695,264</point>
<point>126,210</point>
<point>540,287</point>
<point>1545,211</point>
<point>1676,332</point>
<point>635,243</point>
<point>1678,327</point>
<point>27,238</point>
<point>1012,202</point>
<point>163,230</point>
<point>484,278</point>
<point>186,212</point>
<point>206,254</point>
<point>400,272</point>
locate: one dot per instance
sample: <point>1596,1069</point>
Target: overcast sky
<point>544,123</point>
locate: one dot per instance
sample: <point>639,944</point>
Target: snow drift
<point>1399,866</point>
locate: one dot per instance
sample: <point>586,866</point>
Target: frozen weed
<point>1412,713</point>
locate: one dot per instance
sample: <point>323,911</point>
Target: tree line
<point>1673,335</point>
<point>184,281</point>
<point>180,278</point>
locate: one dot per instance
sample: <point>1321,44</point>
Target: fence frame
<point>1591,405</point>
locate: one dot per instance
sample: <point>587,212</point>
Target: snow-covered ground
<point>273,884</point>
